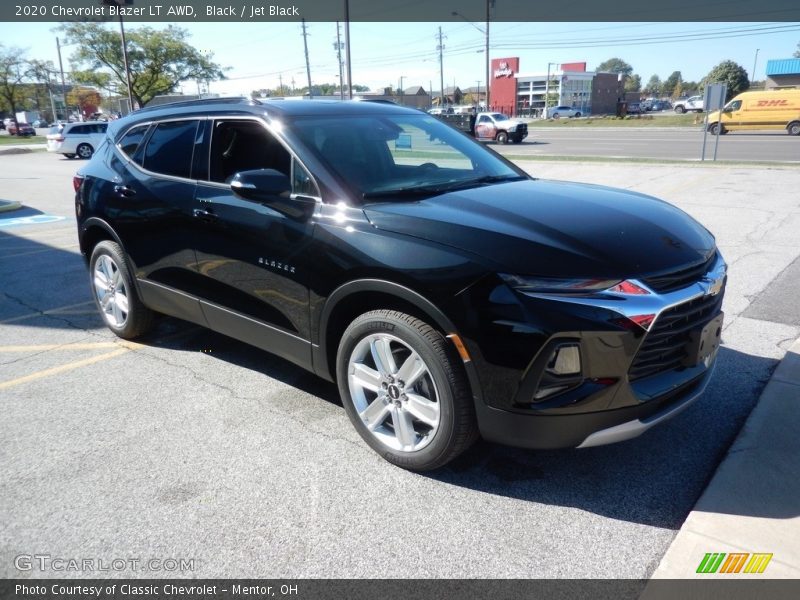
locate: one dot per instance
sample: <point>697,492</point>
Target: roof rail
<point>181,103</point>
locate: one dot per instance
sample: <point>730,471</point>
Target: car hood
<point>552,228</point>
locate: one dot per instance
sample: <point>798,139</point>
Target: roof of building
<point>783,66</point>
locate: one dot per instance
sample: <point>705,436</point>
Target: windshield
<point>400,155</point>
<point>499,117</point>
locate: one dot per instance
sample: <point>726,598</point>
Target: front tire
<point>404,390</point>
<point>680,109</point>
<point>502,138</point>
<point>114,293</point>
<point>716,129</point>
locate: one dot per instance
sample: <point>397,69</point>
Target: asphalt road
<point>191,445</point>
<point>656,143</point>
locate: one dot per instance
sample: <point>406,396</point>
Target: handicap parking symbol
<point>34,220</point>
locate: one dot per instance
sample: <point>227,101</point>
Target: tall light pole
<point>485,32</point>
<point>124,47</point>
<point>478,82</point>
<point>339,45</point>
<point>402,91</point>
<point>547,89</point>
<point>347,48</point>
<point>755,61</point>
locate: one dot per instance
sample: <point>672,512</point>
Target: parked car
<point>76,139</point>
<point>634,108</point>
<point>682,105</point>
<point>446,292</point>
<point>20,129</point>
<point>557,112</point>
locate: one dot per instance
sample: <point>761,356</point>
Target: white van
<point>77,139</point>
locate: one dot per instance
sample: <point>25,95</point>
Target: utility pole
<point>488,66</point>
<point>440,48</point>
<point>338,45</point>
<point>63,84</point>
<point>347,48</point>
<point>280,84</point>
<point>308,66</point>
<point>755,62</point>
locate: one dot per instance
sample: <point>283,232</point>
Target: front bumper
<point>623,388</point>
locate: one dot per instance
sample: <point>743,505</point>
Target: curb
<point>750,505</point>
<point>9,205</point>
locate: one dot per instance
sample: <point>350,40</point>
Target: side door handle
<point>204,215</point>
<point>124,191</point>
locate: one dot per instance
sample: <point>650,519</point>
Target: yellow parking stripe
<point>62,369</point>
<point>45,312</point>
<point>47,347</point>
<point>51,249</point>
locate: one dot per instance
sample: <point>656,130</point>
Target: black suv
<point>448,294</point>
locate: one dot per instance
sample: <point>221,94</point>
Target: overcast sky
<point>383,52</point>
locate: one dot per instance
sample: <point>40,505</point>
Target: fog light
<point>565,360</point>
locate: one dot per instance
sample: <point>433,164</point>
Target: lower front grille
<point>665,347</point>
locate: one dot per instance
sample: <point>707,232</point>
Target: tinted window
<point>131,140</point>
<point>169,149</point>
<point>78,130</point>
<point>301,181</point>
<point>243,146</point>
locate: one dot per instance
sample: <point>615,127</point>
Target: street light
<point>755,60</point>
<point>402,90</point>
<point>489,4</point>
<point>119,3</point>
<point>547,88</point>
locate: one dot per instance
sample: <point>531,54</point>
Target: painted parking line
<point>123,347</point>
<point>48,347</point>
<point>52,311</point>
<point>62,368</point>
<point>51,249</point>
<point>34,220</point>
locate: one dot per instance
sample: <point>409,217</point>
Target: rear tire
<point>115,294</point>
<point>84,151</point>
<point>405,390</point>
<point>577,115</point>
<point>793,128</point>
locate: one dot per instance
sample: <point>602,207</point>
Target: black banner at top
<point>786,11</point>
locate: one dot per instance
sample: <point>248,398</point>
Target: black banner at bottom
<point>397,589</point>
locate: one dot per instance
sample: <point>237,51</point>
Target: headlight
<point>512,128</point>
<point>547,285</point>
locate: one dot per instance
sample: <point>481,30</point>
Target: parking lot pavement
<point>190,445</point>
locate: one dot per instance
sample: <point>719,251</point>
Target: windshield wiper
<point>440,188</point>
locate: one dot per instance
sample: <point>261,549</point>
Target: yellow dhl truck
<point>775,109</point>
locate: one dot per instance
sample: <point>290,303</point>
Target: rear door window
<point>169,149</point>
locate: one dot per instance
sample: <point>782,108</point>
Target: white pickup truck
<point>489,126</point>
<point>683,105</point>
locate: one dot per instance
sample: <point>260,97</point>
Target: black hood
<point>553,228</point>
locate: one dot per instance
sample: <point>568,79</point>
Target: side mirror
<point>261,185</point>
<point>272,188</point>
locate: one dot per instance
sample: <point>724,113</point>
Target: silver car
<point>556,112</point>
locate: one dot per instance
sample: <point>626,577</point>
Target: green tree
<point>615,65</point>
<point>671,82</point>
<point>13,71</point>
<point>653,85</point>
<point>633,83</point>
<point>43,75</point>
<point>730,73</point>
<point>159,60</point>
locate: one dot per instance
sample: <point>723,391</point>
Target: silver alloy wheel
<point>109,287</point>
<point>399,405</point>
<point>84,151</point>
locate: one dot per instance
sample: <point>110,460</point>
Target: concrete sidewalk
<point>752,504</point>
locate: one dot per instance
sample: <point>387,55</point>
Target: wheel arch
<point>357,297</point>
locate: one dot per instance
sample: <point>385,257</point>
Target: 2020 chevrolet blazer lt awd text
<point>446,292</point>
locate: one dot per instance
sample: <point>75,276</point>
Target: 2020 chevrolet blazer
<point>446,292</point>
